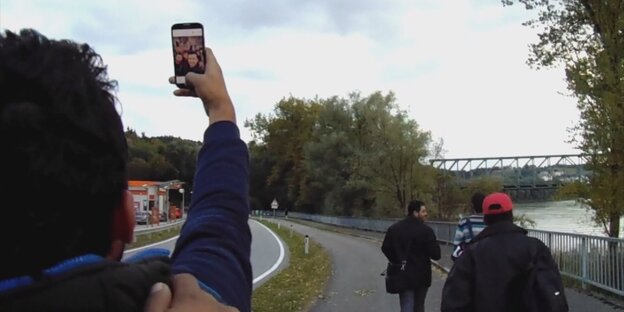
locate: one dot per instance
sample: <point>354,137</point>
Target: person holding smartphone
<point>193,60</point>
<point>65,182</point>
<point>187,39</point>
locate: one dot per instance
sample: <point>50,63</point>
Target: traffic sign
<point>274,204</point>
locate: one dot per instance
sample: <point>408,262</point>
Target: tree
<point>448,198</point>
<point>356,156</point>
<point>261,163</point>
<point>285,134</point>
<point>328,160</point>
<point>586,37</point>
<point>161,158</point>
<point>390,149</point>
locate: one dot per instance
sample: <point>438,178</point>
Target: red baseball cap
<point>497,203</point>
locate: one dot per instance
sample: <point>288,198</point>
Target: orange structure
<point>153,197</point>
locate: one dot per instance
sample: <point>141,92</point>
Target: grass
<point>155,237</point>
<point>296,287</point>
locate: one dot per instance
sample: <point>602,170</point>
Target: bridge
<point>543,172</point>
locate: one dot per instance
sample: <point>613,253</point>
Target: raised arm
<point>215,242</point>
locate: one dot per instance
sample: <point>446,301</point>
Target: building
<point>153,197</point>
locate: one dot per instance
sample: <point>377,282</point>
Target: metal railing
<point>157,228</point>
<point>593,260</point>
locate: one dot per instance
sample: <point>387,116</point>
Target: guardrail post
<point>451,234</point>
<point>306,243</point>
<point>550,242</point>
<point>583,262</point>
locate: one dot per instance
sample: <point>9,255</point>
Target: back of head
<point>497,207</point>
<point>414,206</point>
<point>64,167</point>
<point>477,202</point>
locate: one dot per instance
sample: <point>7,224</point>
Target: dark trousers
<point>413,300</point>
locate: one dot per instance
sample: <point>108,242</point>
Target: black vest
<point>103,286</point>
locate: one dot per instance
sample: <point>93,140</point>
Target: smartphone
<point>187,40</point>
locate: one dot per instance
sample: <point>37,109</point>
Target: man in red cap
<point>503,269</point>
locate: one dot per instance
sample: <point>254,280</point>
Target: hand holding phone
<point>187,40</point>
<point>210,88</point>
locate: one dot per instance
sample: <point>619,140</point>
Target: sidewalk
<point>577,300</point>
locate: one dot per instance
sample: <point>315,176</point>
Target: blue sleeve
<point>215,242</point>
<point>460,238</point>
<point>459,233</point>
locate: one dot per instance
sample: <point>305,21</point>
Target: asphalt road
<point>356,285</point>
<point>269,254</point>
<point>267,257</point>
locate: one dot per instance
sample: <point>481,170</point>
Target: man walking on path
<point>413,243</point>
<point>503,269</point>
<point>469,227</point>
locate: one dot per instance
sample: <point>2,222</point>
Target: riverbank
<point>566,216</point>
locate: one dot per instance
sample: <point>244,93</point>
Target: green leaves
<point>586,37</point>
<point>346,156</point>
<point>161,158</point>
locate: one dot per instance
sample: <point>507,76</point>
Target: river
<point>561,216</point>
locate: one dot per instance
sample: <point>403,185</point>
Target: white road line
<point>279,259</point>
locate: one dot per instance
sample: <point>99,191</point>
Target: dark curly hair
<point>414,205</point>
<point>64,167</point>
<point>477,201</point>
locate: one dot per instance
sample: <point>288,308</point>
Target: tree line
<point>161,158</point>
<point>353,156</point>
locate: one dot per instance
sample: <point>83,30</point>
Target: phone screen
<point>188,50</point>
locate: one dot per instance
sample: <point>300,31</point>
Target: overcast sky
<point>457,66</point>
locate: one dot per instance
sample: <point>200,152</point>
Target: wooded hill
<point>161,158</point>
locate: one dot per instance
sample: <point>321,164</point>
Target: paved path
<point>357,261</point>
<point>356,283</point>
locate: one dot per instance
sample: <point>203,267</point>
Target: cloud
<point>163,115</point>
<point>457,66</point>
<point>329,16</point>
<point>121,27</point>
<point>254,74</point>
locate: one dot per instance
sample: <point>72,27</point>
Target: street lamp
<point>146,205</point>
<point>182,192</point>
<point>166,204</point>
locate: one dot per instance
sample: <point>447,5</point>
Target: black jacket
<point>412,233</point>
<point>102,286</point>
<point>488,276</point>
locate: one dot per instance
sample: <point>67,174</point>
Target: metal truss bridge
<point>519,172</point>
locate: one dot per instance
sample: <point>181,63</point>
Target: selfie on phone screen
<point>188,52</point>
